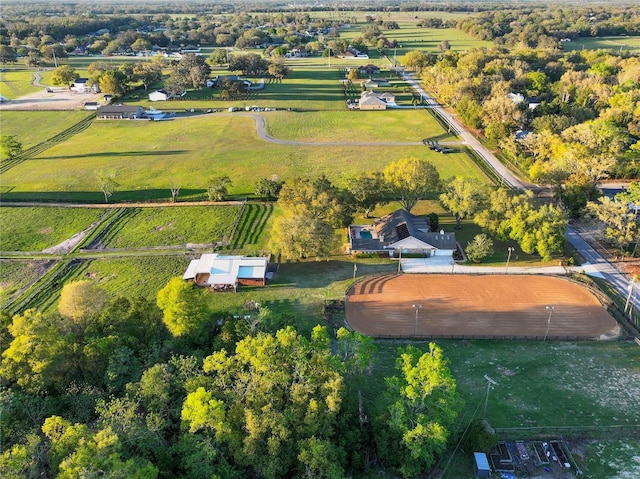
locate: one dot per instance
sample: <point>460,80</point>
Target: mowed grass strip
<point>149,156</point>
<point>37,228</point>
<point>49,123</point>
<point>169,226</point>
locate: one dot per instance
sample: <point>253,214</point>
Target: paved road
<point>600,265</point>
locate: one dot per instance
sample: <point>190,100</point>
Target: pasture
<point>617,44</point>
<point>17,82</point>
<point>150,156</point>
<point>171,226</point>
<point>50,123</point>
<point>18,274</point>
<point>37,228</point>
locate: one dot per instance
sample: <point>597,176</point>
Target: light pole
<point>550,309</point>
<point>417,307</point>
<point>510,249</point>
<point>626,305</point>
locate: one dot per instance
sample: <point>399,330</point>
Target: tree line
<point>129,388</point>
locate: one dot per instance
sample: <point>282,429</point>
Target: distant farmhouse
<point>220,273</point>
<point>369,69</point>
<point>401,231</point>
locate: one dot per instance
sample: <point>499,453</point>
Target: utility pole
<point>490,382</point>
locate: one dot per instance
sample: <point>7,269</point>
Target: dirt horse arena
<point>469,306</point>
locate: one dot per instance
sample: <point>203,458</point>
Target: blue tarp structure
<point>481,465</point>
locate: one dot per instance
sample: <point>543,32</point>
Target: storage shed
<point>481,465</point>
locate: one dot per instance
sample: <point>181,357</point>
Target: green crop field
<point>17,83</point>
<point>37,228</point>
<point>20,124</point>
<point>150,156</point>
<point>149,227</point>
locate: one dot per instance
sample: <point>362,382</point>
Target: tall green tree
<point>64,75</point>
<point>424,404</point>
<point>269,402</point>
<point>81,299</point>
<point>10,147</point>
<point>299,236</point>
<point>368,191</point>
<point>411,179</point>
<point>463,197</point>
<point>183,307</point>
<point>620,224</point>
<point>218,187</point>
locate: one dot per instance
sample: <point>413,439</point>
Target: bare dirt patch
<point>476,306</point>
<point>57,99</point>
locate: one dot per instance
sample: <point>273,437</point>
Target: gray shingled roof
<point>399,225</point>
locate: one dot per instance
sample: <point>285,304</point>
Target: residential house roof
<point>398,226</point>
<point>119,109</point>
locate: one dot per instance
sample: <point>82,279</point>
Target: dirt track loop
<point>466,305</point>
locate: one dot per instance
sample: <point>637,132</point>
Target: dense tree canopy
<point>410,180</point>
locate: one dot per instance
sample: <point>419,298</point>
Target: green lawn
<point>149,227</point>
<point>37,228</point>
<point>17,83</point>
<point>20,124</point>
<point>150,156</point>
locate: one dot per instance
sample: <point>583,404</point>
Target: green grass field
<point>617,44</point>
<point>131,276</point>
<point>17,274</point>
<point>150,227</point>
<point>149,156</point>
<point>390,125</point>
<point>20,124</point>
<point>36,228</point>
<point>17,83</point>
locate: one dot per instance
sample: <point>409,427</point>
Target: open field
<point>391,125</point>
<point>625,44</point>
<point>20,124</point>
<point>561,387</point>
<point>149,156</point>
<point>476,306</point>
<point>150,227</point>
<point>37,228</point>
<point>16,83</point>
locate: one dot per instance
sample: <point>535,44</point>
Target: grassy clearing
<point>20,124</point>
<point>17,83</point>
<point>17,274</point>
<point>149,156</point>
<point>128,277</point>
<point>149,227</point>
<point>613,459</point>
<point>540,384</point>
<point>625,44</point>
<point>35,228</point>
<point>400,125</point>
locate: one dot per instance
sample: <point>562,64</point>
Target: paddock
<point>477,306</point>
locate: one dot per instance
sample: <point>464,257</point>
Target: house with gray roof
<point>120,112</point>
<point>401,231</point>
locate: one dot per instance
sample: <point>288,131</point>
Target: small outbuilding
<point>220,273</point>
<point>159,95</point>
<point>481,465</point>
<point>91,105</point>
